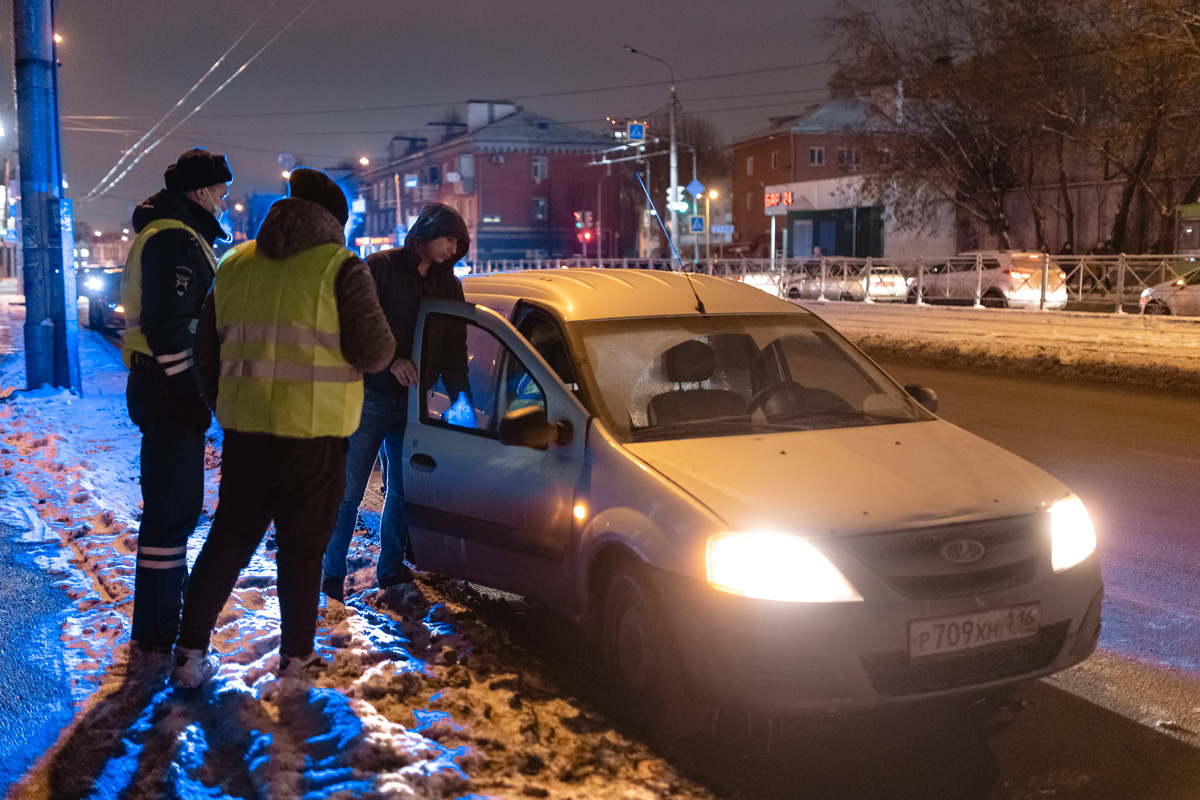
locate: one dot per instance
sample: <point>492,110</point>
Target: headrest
<point>692,361</point>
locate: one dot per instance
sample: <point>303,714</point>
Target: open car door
<point>492,513</point>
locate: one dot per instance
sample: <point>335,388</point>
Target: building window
<point>816,156</point>
<point>541,168</point>
<point>749,165</point>
<point>774,159</point>
<point>885,157</point>
<point>540,209</point>
<point>848,158</point>
<point>749,201</point>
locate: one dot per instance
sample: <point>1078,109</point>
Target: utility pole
<point>51,315</point>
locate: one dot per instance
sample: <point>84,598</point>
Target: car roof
<point>586,294</point>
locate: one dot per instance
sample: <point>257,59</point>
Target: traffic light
<point>584,236</point>
<point>587,220</point>
<point>579,219</point>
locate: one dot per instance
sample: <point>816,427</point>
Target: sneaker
<point>193,667</point>
<point>333,587</point>
<point>307,667</point>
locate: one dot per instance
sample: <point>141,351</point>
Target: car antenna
<point>686,274</point>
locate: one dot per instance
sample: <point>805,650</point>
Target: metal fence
<point>1168,284</point>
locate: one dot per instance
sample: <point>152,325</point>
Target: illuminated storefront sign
<point>774,199</point>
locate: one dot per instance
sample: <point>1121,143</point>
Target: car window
<point>496,381</point>
<point>694,376</point>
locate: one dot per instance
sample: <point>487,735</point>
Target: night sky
<point>349,74</point>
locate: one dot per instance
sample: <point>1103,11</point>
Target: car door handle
<point>422,462</point>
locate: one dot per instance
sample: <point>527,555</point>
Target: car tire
<point>993,299</point>
<point>911,297</point>
<point>641,661</point>
<point>1158,308</point>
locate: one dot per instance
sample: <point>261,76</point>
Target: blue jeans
<point>383,419</point>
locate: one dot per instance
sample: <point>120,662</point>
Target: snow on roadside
<point>422,698</point>
<point>1161,353</point>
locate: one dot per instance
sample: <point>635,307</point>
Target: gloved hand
<point>194,413</point>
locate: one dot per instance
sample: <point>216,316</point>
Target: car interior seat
<point>692,361</point>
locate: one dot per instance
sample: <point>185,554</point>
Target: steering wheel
<point>759,401</point>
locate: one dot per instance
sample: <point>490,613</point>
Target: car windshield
<point>729,374</point>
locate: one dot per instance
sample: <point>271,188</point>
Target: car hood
<point>850,481</point>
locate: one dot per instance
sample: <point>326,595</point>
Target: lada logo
<point>963,551</point>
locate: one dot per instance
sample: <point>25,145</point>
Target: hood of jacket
<point>437,220</point>
<point>166,204</point>
<point>294,225</point>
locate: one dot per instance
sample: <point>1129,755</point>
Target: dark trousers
<point>172,477</point>
<point>297,483</point>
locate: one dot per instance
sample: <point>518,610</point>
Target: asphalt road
<point>35,701</point>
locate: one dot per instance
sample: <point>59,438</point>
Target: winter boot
<point>333,587</point>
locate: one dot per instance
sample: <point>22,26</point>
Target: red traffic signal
<point>584,236</point>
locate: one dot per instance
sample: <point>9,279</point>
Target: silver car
<point>845,280</point>
<point>993,279</point>
<point>1179,296</point>
<point>742,507</point>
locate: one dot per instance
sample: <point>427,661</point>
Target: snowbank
<point>1117,349</point>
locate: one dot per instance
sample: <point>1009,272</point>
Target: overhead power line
<point>204,102</point>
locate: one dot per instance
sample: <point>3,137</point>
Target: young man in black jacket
<point>404,276</point>
<point>167,274</point>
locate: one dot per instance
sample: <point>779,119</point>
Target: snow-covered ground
<point>1118,349</point>
<point>424,698</point>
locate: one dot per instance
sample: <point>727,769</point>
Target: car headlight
<point>775,566</point>
<point>95,284</point>
<point>1145,293</point>
<point>1072,536</point>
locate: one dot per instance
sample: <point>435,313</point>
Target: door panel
<point>479,510</point>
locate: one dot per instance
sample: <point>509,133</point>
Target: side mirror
<point>923,395</point>
<point>529,427</point>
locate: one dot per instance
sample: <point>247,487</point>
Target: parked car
<point>1179,296</point>
<point>741,507</point>
<point>102,286</point>
<point>846,280</point>
<point>1002,278</point>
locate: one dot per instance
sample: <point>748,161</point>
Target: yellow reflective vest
<point>282,369</point>
<point>131,286</point>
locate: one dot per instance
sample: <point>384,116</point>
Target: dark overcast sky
<point>133,59</point>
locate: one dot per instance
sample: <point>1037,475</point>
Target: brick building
<point>516,177</point>
<point>813,148</point>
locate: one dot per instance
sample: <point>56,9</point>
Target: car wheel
<point>641,662</point>
<point>911,298</point>
<point>1157,307</point>
<point>993,299</point>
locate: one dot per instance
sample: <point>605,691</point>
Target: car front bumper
<point>795,658</point>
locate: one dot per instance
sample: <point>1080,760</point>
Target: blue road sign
<point>695,188</point>
<point>698,224</point>
<point>637,131</point>
<point>722,229</point>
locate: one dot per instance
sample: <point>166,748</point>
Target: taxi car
<point>736,501</point>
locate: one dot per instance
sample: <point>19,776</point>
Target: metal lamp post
<point>674,153</point>
<point>712,195</point>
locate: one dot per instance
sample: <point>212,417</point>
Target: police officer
<point>167,274</point>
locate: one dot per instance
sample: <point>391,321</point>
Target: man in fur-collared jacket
<point>287,331</point>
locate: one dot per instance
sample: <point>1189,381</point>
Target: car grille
<point>911,562</point>
<point>894,674</point>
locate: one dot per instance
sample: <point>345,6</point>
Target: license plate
<point>927,637</point>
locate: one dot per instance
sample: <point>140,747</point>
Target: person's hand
<point>405,371</point>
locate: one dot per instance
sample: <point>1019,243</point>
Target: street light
<point>712,195</point>
<point>364,161</point>
<point>674,154</point>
